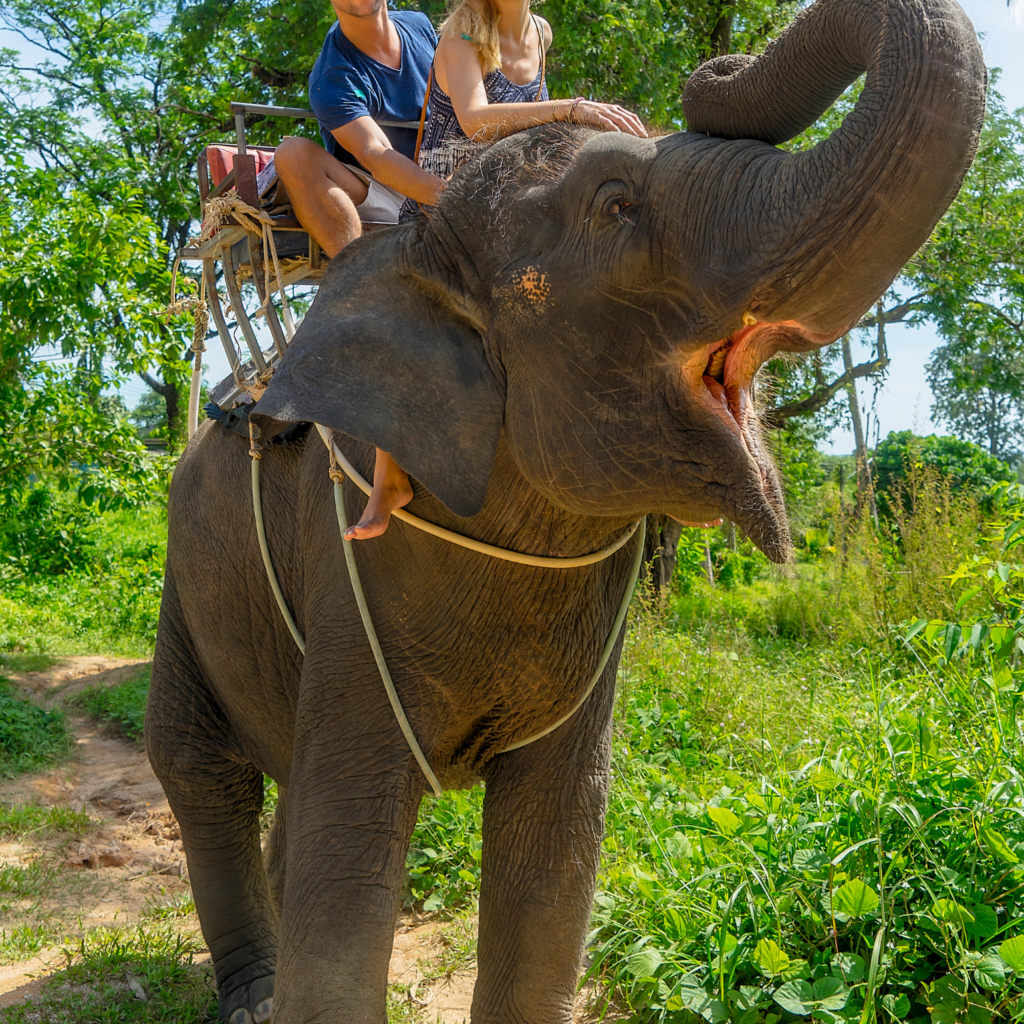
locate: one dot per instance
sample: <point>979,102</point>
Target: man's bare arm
<point>365,140</point>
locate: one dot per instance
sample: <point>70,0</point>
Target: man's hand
<point>365,140</point>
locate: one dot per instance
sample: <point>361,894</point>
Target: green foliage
<point>640,54</point>
<point>970,280</point>
<point>111,604</point>
<point>79,275</point>
<point>123,977</point>
<point>719,899</point>
<point>122,707</point>
<point>443,863</point>
<point>29,736</point>
<point>181,905</point>
<point>967,467</point>
<point>43,532</point>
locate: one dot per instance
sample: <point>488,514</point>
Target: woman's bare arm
<point>459,72</point>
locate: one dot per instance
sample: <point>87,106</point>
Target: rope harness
<point>257,222</point>
<point>337,477</point>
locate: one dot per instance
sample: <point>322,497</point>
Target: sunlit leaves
<point>853,900</point>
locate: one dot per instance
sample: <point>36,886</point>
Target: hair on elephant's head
<point>607,300</point>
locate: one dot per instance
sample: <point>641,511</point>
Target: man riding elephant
<point>567,344</point>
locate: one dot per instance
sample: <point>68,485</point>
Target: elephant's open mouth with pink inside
<point>567,345</point>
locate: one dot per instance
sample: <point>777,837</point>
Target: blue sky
<point>904,401</point>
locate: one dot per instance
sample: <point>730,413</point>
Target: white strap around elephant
<point>337,457</point>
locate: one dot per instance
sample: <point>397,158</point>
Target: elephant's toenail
<point>263,1011</point>
<point>240,1016</point>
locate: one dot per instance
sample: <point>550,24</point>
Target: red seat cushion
<point>221,160</point>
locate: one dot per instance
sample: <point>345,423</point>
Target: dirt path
<point>131,861</point>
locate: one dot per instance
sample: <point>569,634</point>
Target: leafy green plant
<point>29,736</point>
<point>443,864</point>
<point>26,941</point>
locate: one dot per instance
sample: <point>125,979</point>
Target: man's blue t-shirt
<point>346,84</point>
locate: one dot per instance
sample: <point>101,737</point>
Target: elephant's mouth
<point>722,375</point>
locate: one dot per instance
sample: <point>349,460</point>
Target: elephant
<point>568,343</point>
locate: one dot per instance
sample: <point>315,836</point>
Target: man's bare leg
<point>323,192</point>
<point>391,490</point>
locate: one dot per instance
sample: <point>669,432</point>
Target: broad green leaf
<point>848,967</point>
<point>915,627</point>
<point>829,993</point>
<point>644,963</point>
<point>951,912</point>
<point>990,970</point>
<point>824,780</point>
<point>853,900</point>
<point>795,996</point>
<point>985,924</point>
<point>953,633</point>
<point>769,958</point>
<point>977,1014</point>
<point>796,970</point>
<point>998,846</point>
<point>966,596</point>
<point>1012,952</point>
<point>726,821</point>
<point>897,1007</point>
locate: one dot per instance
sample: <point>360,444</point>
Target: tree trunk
<point>865,491</point>
<point>660,551</point>
<point>169,393</point>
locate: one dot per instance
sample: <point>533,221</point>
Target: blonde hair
<point>477,22</point>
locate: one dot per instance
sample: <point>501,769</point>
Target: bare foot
<point>391,490</point>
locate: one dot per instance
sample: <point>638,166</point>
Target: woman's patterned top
<point>445,145</point>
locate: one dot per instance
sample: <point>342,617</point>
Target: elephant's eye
<point>617,208</point>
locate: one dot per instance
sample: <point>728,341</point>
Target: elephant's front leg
<point>353,795</point>
<point>543,821</point>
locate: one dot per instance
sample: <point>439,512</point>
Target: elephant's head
<point>608,300</point>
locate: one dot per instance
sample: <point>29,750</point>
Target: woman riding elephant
<point>487,80</point>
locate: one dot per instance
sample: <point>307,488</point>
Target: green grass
<point>29,736</point>
<point>123,977</point>
<point>24,942</point>
<point>181,905</point>
<point>26,662</point>
<point>122,707</point>
<point>34,880</point>
<point>20,820</point>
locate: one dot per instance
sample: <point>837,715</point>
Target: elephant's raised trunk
<point>850,212</point>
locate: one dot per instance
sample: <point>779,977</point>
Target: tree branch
<point>778,417</point>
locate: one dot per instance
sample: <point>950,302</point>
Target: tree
<point>970,279</point>
<point>74,281</point>
<point>966,466</point>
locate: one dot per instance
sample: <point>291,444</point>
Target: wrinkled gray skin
<point>557,352</point>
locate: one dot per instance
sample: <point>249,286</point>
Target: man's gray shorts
<point>382,204</point>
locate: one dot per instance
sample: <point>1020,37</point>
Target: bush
<point>29,736</point>
<point>44,532</point>
<point>969,470</point>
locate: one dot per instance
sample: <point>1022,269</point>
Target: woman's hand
<point>603,115</point>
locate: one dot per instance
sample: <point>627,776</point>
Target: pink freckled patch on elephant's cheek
<point>532,285</point>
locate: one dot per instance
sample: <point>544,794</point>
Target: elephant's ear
<point>384,357</point>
